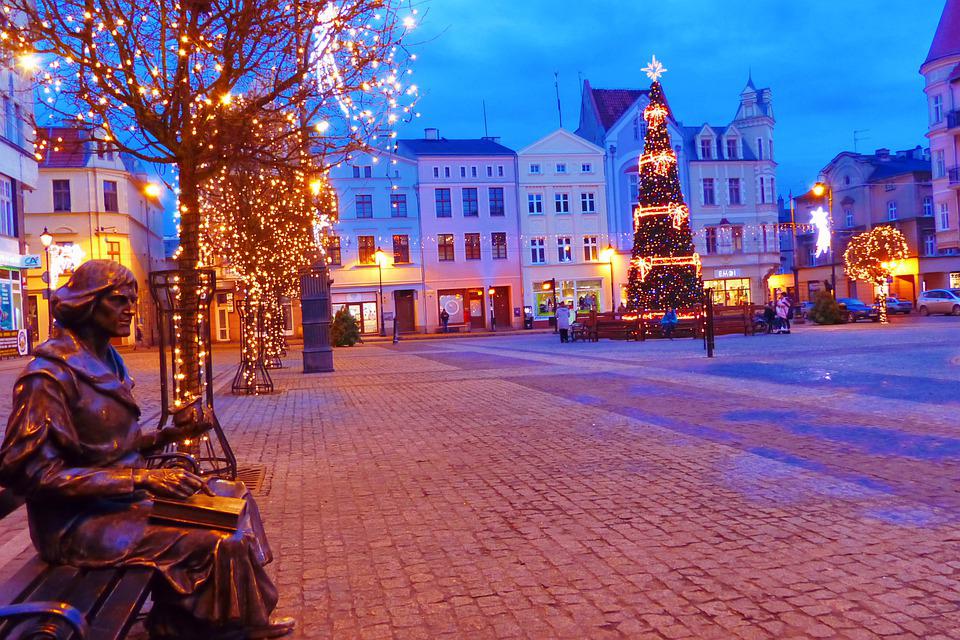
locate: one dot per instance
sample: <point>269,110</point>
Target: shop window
<point>367,248</point>
<point>732,292</point>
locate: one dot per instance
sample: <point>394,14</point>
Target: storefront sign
<point>955,280</point>
<point>728,273</point>
<point>229,305</point>
<point>13,343</point>
<point>18,261</point>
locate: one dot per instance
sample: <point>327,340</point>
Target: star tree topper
<point>655,69</point>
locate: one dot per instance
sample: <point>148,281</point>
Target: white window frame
<point>848,213</point>
<point>943,219</point>
<point>561,202</point>
<point>7,222</point>
<point>736,148</point>
<point>535,204</point>
<point>927,206</point>
<point>561,167</point>
<point>713,191</point>
<point>534,168</point>
<point>588,202</point>
<point>939,163</point>
<point>591,252</point>
<point>538,250</point>
<point>937,108</point>
<point>564,250</point>
<point>891,210</point>
<point>706,144</point>
<point>586,167</point>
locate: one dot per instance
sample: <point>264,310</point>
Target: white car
<point>939,301</point>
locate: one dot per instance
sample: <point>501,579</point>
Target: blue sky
<point>834,66</point>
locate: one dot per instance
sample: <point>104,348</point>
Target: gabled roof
<point>613,103</point>
<point>690,145</point>
<point>419,147</point>
<point>946,42</point>
<point>583,143</point>
<point>66,147</point>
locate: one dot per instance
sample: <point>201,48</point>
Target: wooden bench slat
<point>117,613</point>
<point>53,586</point>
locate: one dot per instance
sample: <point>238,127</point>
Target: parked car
<point>856,310</point>
<point>939,301</point>
<point>805,309</point>
<point>896,305</point>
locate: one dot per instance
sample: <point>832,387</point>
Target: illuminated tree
<point>665,270</point>
<point>158,79</point>
<point>873,256</point>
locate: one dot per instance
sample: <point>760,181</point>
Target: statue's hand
<point>192,421</point>
<point>168,483</point>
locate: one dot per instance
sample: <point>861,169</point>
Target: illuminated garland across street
<point>646,265</point>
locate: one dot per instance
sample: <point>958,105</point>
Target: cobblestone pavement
<point>796,486</point>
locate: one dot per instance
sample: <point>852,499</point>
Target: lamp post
<point>380,257</point>
<point>491,293</point>
<point>607,256</point>
<point>46,240</point>
<point>551,285</point>
<point>820,190</point>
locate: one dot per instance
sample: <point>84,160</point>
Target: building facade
<point>91,196</point>
<point>470,231</point>
<point>18,176</point>
<point>941,72</point>
<point>563,226</point>
<point>733,200</point>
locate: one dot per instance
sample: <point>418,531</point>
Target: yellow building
<point>92,197</point>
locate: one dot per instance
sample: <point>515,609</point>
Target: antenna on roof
<point>556,85</point>
<point>858,138</point>
<point>486,132</point>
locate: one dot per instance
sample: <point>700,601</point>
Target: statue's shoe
<point>278,628</point>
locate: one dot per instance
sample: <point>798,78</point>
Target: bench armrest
<point>60,610</point>
<point>173,460</point>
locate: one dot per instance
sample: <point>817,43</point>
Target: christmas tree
<point>665,269</point>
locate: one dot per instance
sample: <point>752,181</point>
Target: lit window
<point>564,250</point>
<point>498,241</point>
<point>471,246</point>
<point>445,252</point>
<point>367,249</point>
<point>590,252</point>
<point>401,249</point>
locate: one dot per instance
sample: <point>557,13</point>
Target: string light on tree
<point>874,256</point>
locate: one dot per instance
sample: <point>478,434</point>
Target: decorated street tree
<point>873,256</point>
<point>158,79</point>
<point>665,270</point>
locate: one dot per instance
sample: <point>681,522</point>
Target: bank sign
<point>17,261</point>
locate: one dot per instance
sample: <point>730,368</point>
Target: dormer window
<point>733,149</point>
<point>706,148</point>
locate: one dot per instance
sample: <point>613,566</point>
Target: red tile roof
<point>946,42</point>
<point>613,103</point>
<point>65,147</point>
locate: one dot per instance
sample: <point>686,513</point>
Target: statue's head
<point>100,295</point>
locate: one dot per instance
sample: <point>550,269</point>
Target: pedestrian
<point>789,310</point>
<point>770,316</point>
<point>563,322</point>
<point>622,309</point>
<point>783,308</point>
<point>669,322</point>
<point>444,320</point>
<point>138,336</point>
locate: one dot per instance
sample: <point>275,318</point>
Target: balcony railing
<point>953,176</point>
<point>953,119</point>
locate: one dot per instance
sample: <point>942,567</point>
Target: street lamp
<point>821,189</point>
<point>607,256</point>
<point>551,285</point>
<point>380,257</point>
<point>491,292</point>
<point>46,240</point>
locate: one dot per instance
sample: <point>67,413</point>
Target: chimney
<point>492,139</point>
<point>883,154</point>
<point>431,133</point>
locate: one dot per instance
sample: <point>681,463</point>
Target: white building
<point>563,225</point>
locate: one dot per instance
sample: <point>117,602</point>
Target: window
<point>634,182</point>
<point>471,204</point>
<point>939,164</point>
<point>110,202</point>
<point>497,208</point>
<point>333,250</point>
<point>436,172</point>
<point>498,240</point>
<point>710,233</point>
<point>535,169</point>
<point>364,205</point>
<point>445,247</point>
<point>586,167</point>
<point>561,202</point>
<point>442,199</point>
<point>889,186</point>
<point>398,205</point>
<point>364,171</point>
<point>892,210</point>
<point>446,172</point>
<point>706,148</point>
<point>736,238</point>
<point>561,167</point>
<point>463,172</point>
<point>489,170</point>
<point>927,206</point>
<point>709,194</point>
<point>471,246</point>
<point>930,244</point>
<point>770,149</point>
<point>759,148</point>
<point>848,217</point>
<point>944,221</point>
<point>7,226</point>
<point>590,252</point>
<point>733,149</point>
<point>499,170</point>
<point>564,250</point>
<point>588,203</point>
<point>763,192</point>
<point>473,172</point>
<point>937,108</point>
<point>401,249</point>
<point>61,195</point>
<point>733,186</point>
<point>535,203</point>
<point>367,248</point>
<point>538,251</point>
<point>113,251</point>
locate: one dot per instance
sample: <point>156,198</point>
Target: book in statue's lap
<point>200,510</point>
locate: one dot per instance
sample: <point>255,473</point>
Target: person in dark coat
<point>74,449</point>
<point>444,320</point>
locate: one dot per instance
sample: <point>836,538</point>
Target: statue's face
<point>114,313</point>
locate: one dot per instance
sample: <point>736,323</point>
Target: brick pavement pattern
<point>797,486</point>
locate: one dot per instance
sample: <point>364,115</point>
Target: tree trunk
<point>188,339</point>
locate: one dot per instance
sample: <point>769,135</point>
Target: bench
<point>690,324</point>
<point>60,602</point>
<point>585,328</point>
<point>617,328</point>
<point>452,328</point>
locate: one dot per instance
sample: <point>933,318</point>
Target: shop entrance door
<point>404,304</point>
<point>365,313</point>
<point>475,306</point>
<point>501,307</point>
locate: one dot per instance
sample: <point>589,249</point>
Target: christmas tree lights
<point>874,256</point>
<point>665,270</point>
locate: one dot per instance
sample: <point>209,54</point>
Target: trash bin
<point>528,317</point>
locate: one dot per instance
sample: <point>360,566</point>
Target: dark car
<point>896,305</point>
<point>856,310</point>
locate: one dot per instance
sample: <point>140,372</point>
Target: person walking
<point>444,320</point>
<point>783,308</point>
<point>668,323</point>
<point>563,322</point>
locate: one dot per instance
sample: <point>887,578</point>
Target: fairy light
<point>874,256</point>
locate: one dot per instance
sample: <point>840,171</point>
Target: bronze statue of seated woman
<point>74,449</point>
